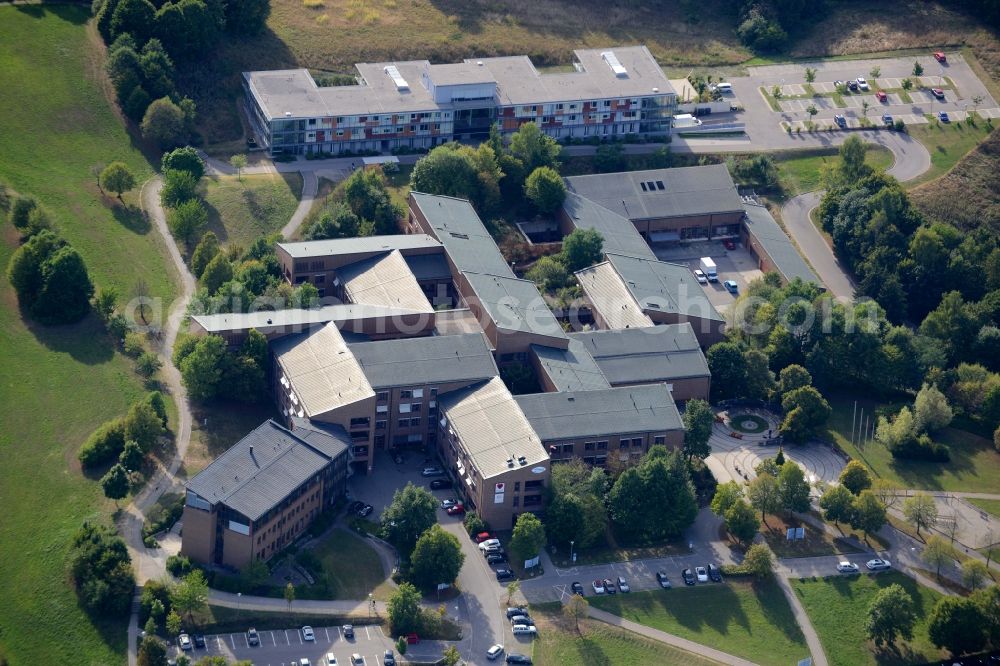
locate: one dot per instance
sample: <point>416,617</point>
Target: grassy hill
<point>59,383</point>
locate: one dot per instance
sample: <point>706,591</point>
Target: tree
<point>974,574</point>
<point>921,511</point>
<point>955,624</point>
<point>101,570</point>
<point>50,279</point>
<point>188,221</point>
<point>867,513</point>
<point>178,186</point>
<point>117,178</point>
<point>906,84</point>
<point>184,159</point>
<point>764,495</point>
<point>874,73</point>
<point>776,92</point>
<point>918,69</point>
<point>437,558</point>
<point>793,488</point>
<point>698,420</point>
<point>148,364</point>
<point>191,594</point>
<point>247,17</point>
<point>404,609</point>
<point>549,274</point>
<point>837,504</point>
<point>206,250</point>
<point>768,466</point>
<point>533,148</point>
<point>218,272</point>
<point>758,561</point>
<point>610,158</point>
<point>201,369</point>
<point>115,483</point>
<point>741,522</point>
<point>654,500</point>
<point>451,656</point>
<point>528,537</point>
<point>131,458</point>
<point>806,414</point>
<point>759,380</point>
<point>852,160</point>
<point>336,222</point>
<point>238,162</point>
<point>513,588</point>
<point>812,110</point>
<point>20,211</point>
<point>810,74</point>
<point>135,17</point>
<point>582,248</point>
<point>938,552</point>
<point>855,477</point>
<point>576,607</point>
<point>886,491</point>
<point>163,123</point>
<point>143,425</point>
<point>728,368</point>
<point>890,614</point>
<point>173,624</point>
<point>459,171</point>
<point>412,511</point>
<point>793,377</point>
<point>726,495</point>
<point>545,188</point>
<point>289,595</point>
<point>931,410</point>
<point>152,652</point>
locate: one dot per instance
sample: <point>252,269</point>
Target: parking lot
<point>737,265</point>
<point>285,647</point>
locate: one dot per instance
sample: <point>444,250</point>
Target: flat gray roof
<point>659,286</point>
<point>571,369</point>
<point>429,266</point>
<point>430,360</point>
<point>359,245</point>
<point>458,227</point>
<point>619,234</point>
<point>680,192</point>
<point>779,247</point>
<point>642,355</point>
<point>261,469</point>
<point>600,413</point>
<point>459,73</point>
<point>266,321</point>
<point>491,427</point>
<point>518,82</point>
<point>515,305</point>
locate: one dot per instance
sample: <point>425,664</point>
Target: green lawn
<point>559,644</point>
<point>837,607</point>
<point>241,211</point>
<point>750,620</point>
<point>974,465</point>
<point>353,567</point>
<point>59,383</point>
<point>803,172</point>
<point>988,505</point>
<point>947,144</point>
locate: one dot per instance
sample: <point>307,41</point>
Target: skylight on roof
<point>614,63</point>
<point>393,72</point>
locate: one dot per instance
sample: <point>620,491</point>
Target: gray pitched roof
<point>515,305</point>
<point>643,355</point>
<point>383,280</point>
<point>429,266</point>
<point>679,192</point>
<point>267,321</point>
<point>428,360</point>
<point>260,470</point>
<point>659,286</point>
<point>578,414</point>
<point>571,369</point>
<point>359,245</point>
<point>456,225</point>
<point>778,246</point>
<point>619,234</point>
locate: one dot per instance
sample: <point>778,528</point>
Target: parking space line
<point>299,634</point>
<point>337,629</point>
<point>327,632</point>
<point>287,642</point>
<point>247,640</point>
<point>232,640</point>
<point>367,632</point>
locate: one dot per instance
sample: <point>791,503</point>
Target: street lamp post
<point>572,555</point>
<point>239,595</point>
<point>371,604</point>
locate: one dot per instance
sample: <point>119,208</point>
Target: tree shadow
<point>77,14</point>
<point>215,224</point>
<point>777,611</point>
<point>85,342</point>
<point>131,217</point>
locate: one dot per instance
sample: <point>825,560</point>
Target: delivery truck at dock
<point>709,269</point>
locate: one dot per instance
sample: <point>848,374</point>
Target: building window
<point>382,396</point>
<point>517,500</point>
<point>623,444</point>
<point>414,422</point>
<point>360,421</point>
<point>418,393</point>
<point>380,425</point>
<point>404,423</point>
<point>517,486</point>
<point>381,409</point>
<point>602,446</point>
<point>416,406</point>
<point>567,448</point>
<point>360,450</point>
<point>301,266</point>
<point>380,440</point>
<point>588,446</point>
<point>659,440</point>
<point>406,393</point>
<point>405,408</point>
<point>319,279</point>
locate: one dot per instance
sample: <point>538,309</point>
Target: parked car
<point>877,564</point>
<point>331,660</point>
<point>504,574</point>
<point>688,577</point>
<point>700,276</point>
<point>457,510</point>
<point>494,652</point>
<point>348,630</point>
<point>701,574</point>
<point>840,120</point>
<point>524,630</point>
<point>440,484</point>
<point>515,658</point>
<point>863,84</point>
<point>448,503</point>
<point>609,586</point>
<point>496,558</point>
<point>729,244</point>
<point>365,510</point>
<point>389,659</point>
<point>432,471</point>
<point>576,588</point>
<point>487,542</point>
<point>303,662</point>
<point>492,550</point>
<point>357,660</point>
<point>731,286</point>
<point>521,619</point>
<point>663,580</point>
<point>882,97</point>
<point>308,634</point>
<point>355,506</point>
<point>837,84</point>
<point>199,641</point>
<point>940,57</point>
<point>943,117</point>
<point>598,586</point>
<point>623,584</point>
<point>516,610</point>
<point>253,638</point>
<point>887,120</point>
<point>251,142</point>
<point>847,567</point>
<point>852,86</point>
<point>184,642</point>
<point>937,92</point>
<point>714,573</point>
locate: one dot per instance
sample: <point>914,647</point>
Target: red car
<point>882,97</point>
<point>456,510</point>
<point>412,639</point>
<point>940,57</point>
<point>937,92</point>
<point>483,536</point>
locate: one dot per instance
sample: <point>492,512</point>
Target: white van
<point>524,630</point>
<point>724,88</point>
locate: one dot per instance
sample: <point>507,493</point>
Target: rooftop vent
<point>656,90</point>
<point>288,114</point>
<point>615,64</point>
<point>393,72</point>
<point>479,63</point>
<point>522,460</point>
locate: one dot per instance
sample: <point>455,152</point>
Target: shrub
<point>474,524</point>
<point>20,211</point>
<point>134,345</point>
<point>179,565</point>
<point>101,570</point>
<point>919,448</point>
<point>155,400</point>
<point>104,444</point>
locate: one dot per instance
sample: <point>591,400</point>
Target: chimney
<point>251,450</point>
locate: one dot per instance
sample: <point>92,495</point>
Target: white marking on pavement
<point>287,642</point>
<point>232,640</point>
<point>246,640</point>
<point>366,632</point>
<point>327,632</point>
<point>273,641</point>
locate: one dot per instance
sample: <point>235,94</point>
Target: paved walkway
<point>669,639</point>
<point>802,618</point>
<point>310,186</point>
